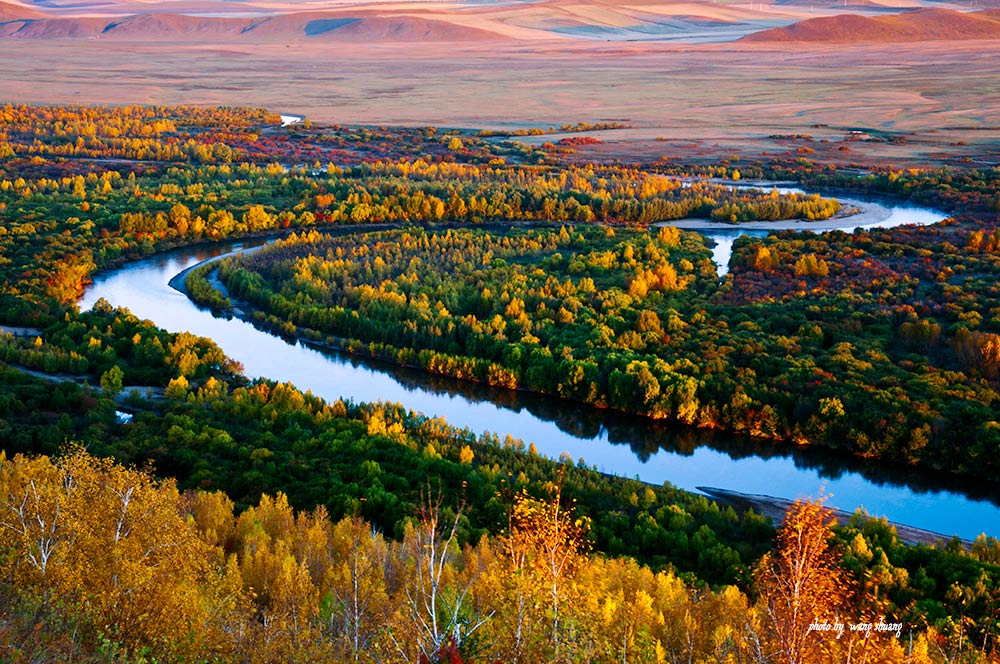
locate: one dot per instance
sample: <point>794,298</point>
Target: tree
<point>435,596</point>
<point>801,585</point>
<point>279,581</point>
<point>545,544</point>
<point>31,519</point>
<point>177,388</point>
<point>111,381</point>
<point>111,545</point>
<point>357,605</point>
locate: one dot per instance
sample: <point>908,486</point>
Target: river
<point>857,214</point>
<point>614,443</point>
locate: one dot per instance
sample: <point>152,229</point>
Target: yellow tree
<point>111,546</point>
<point>32,520</point>
<point>356,604</point>
<point>212,513</point>
<point>801,586</point>
<point>134,560</point>
<point>435,606</point>
<point>543,547</point>
<point>280,581</point>
<point>627,622</point>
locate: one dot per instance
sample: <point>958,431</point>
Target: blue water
<point>614,443</point>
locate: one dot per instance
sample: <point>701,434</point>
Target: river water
<point>869,215</point>
<point>615,443</point>
<point>895,216</point>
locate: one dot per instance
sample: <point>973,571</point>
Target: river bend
<point>614,443</point>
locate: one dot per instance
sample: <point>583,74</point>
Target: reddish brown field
<point>551,63</point>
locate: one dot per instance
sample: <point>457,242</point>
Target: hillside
<point>55,28</point>
<point>364,27</point>
<point>920,25</point>
<point>12,12</point>
<point>155,26</point>
<point>409,29</point>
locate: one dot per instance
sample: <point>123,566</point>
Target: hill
<point>363,27</point>
<point>408,29</point>
<point>920,25</point>
<point>368,23</point>
<point>157,26</point>
<point>55,28</point>
<point>302,26</point>
<point>12,12</point>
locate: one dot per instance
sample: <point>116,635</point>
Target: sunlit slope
<point>921,25</point>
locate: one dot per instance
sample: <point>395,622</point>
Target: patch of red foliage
<point>579,140</point>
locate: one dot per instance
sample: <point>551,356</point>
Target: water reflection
<point>646,438</point>
<point>612,442</point>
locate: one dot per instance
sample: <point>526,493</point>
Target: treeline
<point>774,207</point>
<point>539,131</point>
<point>421,191</point>
<point>160,133</point>
<point>118,566</point>
<point>195,134</point>
<point>972,190</point>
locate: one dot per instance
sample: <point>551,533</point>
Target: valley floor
<point>935,102</point>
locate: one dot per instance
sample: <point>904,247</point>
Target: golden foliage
<point>104,554</point>
<point>801,586</point>
<point>110,541</point>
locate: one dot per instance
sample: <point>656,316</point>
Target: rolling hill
<point>434,23</point>
<point>302,26</point>
<point>914,26</point>
<point>12,12</point>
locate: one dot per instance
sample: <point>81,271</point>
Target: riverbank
<point>123,399</point>
<point>776,508</point>
<point>179,281</point>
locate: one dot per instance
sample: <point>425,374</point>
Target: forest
<point>136,565</point>
<point>229,519</point>
<point>637,321</point>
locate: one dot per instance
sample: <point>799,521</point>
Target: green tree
<point>111,381</point>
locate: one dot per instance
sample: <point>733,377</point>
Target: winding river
<point>856,215</point>
<point>614,443</point>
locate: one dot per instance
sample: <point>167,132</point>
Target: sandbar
<point>854,214</point>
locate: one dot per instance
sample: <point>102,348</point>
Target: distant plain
<point>675,72</point>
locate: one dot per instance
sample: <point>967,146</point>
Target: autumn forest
<point>229,519</point>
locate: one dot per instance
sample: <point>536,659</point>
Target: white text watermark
<point>838,629</point>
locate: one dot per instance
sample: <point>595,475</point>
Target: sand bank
<point>854,214</point>
<point>775,509</point>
